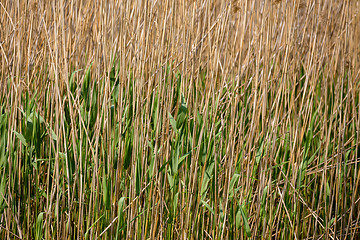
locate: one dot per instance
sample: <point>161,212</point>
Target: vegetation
<point>180,119</point>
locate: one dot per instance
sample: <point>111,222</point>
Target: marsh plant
<point>179,119</point>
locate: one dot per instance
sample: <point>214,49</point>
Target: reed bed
<point>179,119</point>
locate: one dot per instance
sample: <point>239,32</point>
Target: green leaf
<point>259,153</point>
<point>238,219</point>
<point>208,207</point>
<point>53,135</point>
<point>106,192</point>
<point>245,220</point>
<point>87,232</point>
<point>172,122</point>
<point>207,177</point>
<point>233,180</point>
<point>20,137</point>
<point>39,226</point>
<point>171,181</point>
<point>2,195</point>
<point>151,166</point>
<point>175,202</point>
<point>121,220</point>
<point>128,150</point>
<point>184,156</point>
<point>182,113</point>
<point>121,207</point>
<point>263,200</point>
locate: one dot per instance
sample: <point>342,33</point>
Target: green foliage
<point>107,163</point>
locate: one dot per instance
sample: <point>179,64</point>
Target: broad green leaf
<point>128,151</point>
<point>172,122</point>
<point>245,220</point>
<point>175,202</point>
<point>121,218</point>
<point>233,180</point>
<point>106,192</point>
<point>238,218</point>
<point>171,181</point>
<point>39,226</point>
<point>182,113</point>
<point>20,137</point>
<point>207,177</point>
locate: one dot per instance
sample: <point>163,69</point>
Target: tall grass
<point>179,119</point>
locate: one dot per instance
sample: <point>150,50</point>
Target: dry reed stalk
<point>272,98</point>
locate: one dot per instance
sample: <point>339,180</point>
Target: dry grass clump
<point>179,119</point>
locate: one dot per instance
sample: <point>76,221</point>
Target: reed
<point>179,119</point>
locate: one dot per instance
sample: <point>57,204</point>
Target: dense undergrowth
<point>163,128</point>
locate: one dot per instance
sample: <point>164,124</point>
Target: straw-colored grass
<point>179,119</point>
